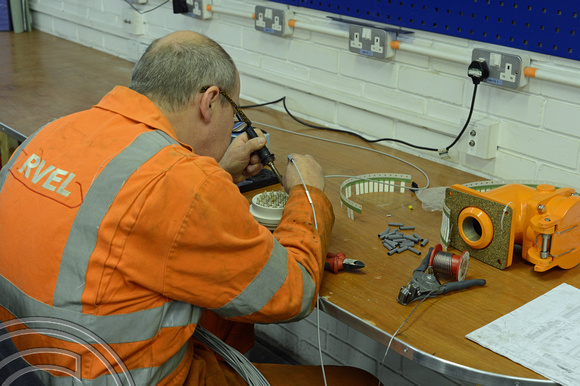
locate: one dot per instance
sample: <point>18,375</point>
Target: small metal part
<point>424,242</point>
<point>274,199</point>
<point>545,253</point>
<point>418,237</point>
<point>407,228</point>
<point>392,252</point>
<point>541,208</point>
<point>276,172</point>
<point>396,224</point>
<point>415,251</point>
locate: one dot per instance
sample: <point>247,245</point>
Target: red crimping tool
<point>337,262</point>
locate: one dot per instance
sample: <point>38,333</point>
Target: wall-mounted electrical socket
<point>481,137</point>
<point>133,22</point>
<point>198,9</point>
<point>373,42</point>
<point>506,70</point>
<point>273,21</point>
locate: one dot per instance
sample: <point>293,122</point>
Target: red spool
<point>449,264</point>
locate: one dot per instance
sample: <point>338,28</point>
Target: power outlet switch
<point>505,70</point>
<point>368,41</point>
<point>198,9</point>
<point>272,20</point>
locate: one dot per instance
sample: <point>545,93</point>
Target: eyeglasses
<point>242,122</point>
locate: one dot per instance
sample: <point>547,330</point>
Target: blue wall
<point>547,27</point>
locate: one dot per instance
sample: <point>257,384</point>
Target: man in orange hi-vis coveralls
<point>123,233</point>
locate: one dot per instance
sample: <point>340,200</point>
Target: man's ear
<point>208,99</point>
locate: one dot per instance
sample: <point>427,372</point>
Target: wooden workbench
<point>43,77</point>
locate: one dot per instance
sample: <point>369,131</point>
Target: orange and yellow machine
<point>544,220</point>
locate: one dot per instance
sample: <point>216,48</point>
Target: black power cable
<point>477,71</point>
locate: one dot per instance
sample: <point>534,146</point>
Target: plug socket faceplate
<point>505,70</point>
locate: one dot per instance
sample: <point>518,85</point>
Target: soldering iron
<point>266,157</point>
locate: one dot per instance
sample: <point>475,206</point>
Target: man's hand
<point>239,160</point>
<point>310,169</point>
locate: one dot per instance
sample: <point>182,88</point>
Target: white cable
<point>355,146</point>
<point>234,358</point>
<point>306,190</point>
<point>504,212</point>
<point>317,296</point>
<point>310,200</point>
<point>401,326</point>
<point>393,337</point>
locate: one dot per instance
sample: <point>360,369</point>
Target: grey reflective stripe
<point>308,294</point>
<point>4,171</point>
<point>82,238</point>
<point>143,376</point>
<point>120,328</point>
<point>264,286</point>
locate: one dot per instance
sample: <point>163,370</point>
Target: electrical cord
<point>468,118</point>
<point>149,10</point>
<point>317,296</point>
<point>283,100</point>
<point>233,357</point>
<point>358,147</point>
<point>393,337</point>
<point>263,104</point>
<point>397,331</point>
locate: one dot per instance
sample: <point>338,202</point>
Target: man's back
<point>129,235</point>
<point>71,201</point>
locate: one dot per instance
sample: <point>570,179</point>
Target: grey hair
<point>171,74</point>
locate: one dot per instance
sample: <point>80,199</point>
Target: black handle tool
<point>266,157</point>
<point>425,284</point>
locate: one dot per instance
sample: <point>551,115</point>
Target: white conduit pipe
<point>432,52</point>
<point>229,11</point>
<point>316,28</point>
<point>530,72</point>
<point>560,78</point>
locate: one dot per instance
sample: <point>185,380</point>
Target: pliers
<point>337,262</point>
<point>425,284</point>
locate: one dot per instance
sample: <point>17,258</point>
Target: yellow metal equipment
<point>543,220</point>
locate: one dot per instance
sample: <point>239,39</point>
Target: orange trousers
<point>241,336</point>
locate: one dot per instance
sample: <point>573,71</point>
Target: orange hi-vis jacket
<point>114,237</point>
